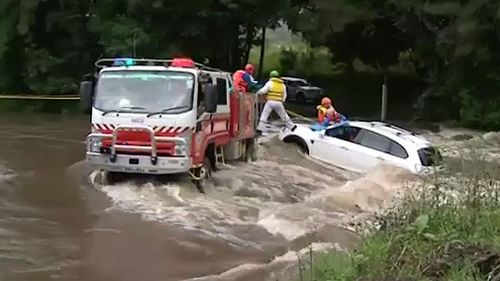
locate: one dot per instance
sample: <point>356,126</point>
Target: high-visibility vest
<point>277,90</point>
<point>239,82</point>
<point>324,112</point>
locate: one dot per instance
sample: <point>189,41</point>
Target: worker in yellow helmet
<point>275,91</point>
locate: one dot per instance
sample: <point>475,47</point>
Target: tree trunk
<point>248,43</point>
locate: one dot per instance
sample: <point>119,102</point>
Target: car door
<point>290,90</point>
<point>335,146</point>
<point>376,149</point>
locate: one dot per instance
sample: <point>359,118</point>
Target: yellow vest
<point>277,90</point>
<point>329,112</point>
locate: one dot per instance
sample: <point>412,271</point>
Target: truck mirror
<point>210,98</point>
<point>86,93</point>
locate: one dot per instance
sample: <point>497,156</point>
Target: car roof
<point>398,134</point>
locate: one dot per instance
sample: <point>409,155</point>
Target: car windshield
<point>144,91</point>
<point>430,156</point>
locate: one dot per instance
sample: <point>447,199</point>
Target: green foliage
<point>446,231</point>
<point>47,46</point>
<point>452,46</point>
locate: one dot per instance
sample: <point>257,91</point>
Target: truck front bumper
<point>139,164</point>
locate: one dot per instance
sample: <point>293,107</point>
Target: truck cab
<point>162,117</point>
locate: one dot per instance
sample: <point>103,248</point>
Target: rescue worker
<point>275,90</point>
<point>243,79</point>
<point>327,113</point>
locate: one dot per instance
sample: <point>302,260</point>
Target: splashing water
<point>285,195</point>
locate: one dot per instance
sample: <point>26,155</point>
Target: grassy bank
<point>449,229</point>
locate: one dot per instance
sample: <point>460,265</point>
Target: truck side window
<point>201,100</point>
<point>221,91</point>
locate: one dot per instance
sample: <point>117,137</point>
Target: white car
<point>361,146</point>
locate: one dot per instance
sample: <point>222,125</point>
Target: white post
<point>383,111</point>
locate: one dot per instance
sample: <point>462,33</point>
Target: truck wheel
<point>250,151</point>
<point>107,178</point>
<point>205,173</point>
<point>199,186</point>
<point>207,168</point>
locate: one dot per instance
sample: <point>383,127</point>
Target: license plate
<point>134,170</point>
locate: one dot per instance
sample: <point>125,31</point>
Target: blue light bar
<point>123,62</point>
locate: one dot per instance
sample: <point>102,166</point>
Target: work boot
<point>261,127</point>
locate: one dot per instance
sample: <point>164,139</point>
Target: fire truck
<point>166,116</point>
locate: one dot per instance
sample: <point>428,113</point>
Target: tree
<point>452,45</point>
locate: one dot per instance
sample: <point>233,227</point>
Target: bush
<point>446,229</point>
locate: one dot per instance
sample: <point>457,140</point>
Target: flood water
<point>57,223</point>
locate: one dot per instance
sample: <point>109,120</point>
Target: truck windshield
<point>144,91</point>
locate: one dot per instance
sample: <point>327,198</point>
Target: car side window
<point>380,143</point>
<point>373,141</point>
<point>397,150</point>
<point>347,133</point>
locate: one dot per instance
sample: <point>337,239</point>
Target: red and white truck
<point>172,116</point>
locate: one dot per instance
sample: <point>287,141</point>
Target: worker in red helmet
<point>243,79</point>
<point>326,112</point>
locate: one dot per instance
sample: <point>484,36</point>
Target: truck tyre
<point>207,167</point>
<point>251,154</point>
<point>205,173</point>
<point>106,178</point>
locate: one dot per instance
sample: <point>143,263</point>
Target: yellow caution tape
<point>40,97</point>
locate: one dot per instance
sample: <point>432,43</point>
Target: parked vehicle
<point>361,146</point>
<point>155,116</point>
<point>300,91</point>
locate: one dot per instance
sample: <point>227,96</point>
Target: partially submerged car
<point>301,91</point>
<point>361,146</point>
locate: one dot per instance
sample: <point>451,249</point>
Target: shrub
<point>445,229</point>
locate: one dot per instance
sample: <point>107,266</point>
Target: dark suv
<point>300,91</point>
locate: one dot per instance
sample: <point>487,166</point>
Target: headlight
<point>180,149</point>
<point>94,144</point>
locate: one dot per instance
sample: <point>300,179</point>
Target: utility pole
<point>383,109</point>
<point>135,43</point>
<point>262,51</point>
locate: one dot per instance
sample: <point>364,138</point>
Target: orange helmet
<point>249,68</point>
<point>326,101</point>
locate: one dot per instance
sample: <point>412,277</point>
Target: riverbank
<point>444,228</point>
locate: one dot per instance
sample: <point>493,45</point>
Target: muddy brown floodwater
<point>57,223</point>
